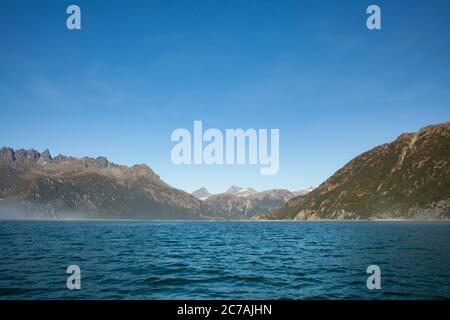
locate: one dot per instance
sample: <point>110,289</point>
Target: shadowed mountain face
<point>65,187</point>
<point>408,178</point>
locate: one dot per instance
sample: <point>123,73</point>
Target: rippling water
<point>224,260</point>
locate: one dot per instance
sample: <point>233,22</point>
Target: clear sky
<point>140,69</point>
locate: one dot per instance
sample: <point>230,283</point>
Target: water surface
<point>224,260</point>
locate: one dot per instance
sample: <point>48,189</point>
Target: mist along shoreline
<point>231,220</point>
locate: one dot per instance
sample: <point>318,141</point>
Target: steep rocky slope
<point>408,179</point>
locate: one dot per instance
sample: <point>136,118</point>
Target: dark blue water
<point>224,260</point>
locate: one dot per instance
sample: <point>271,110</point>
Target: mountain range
<point>35,185</point>
<point>245,202</point>
<point>408,178</point>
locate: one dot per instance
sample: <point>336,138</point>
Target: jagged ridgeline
<point>35,185</point>
<point>407,179</point>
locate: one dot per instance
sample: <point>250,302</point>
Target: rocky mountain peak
<point>102,162</point>
<point>240,191</point>
<point>26,155</point>
<point>202,193</point>
<point>45,156</point>
<point>7,154</point>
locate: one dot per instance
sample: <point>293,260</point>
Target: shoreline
<point>230,220</point>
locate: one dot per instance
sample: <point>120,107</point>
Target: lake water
<point>224,260</point>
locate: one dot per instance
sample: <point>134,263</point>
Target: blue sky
<point>140,69</point>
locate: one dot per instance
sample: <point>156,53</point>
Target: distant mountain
<point>237,206</point>
<point>406,179</point>
<point>303,192</point>
<point>240,191</point>
<point>239,202</point>
<point>201,193</point>
<point>35,185</point>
